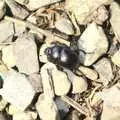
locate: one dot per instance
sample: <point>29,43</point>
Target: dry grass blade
<point>75,105</point>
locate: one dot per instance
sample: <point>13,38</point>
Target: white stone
<point>26,54</point>
<point>94,42</point>
<point>17,90</point>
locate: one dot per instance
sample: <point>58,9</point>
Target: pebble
<point>2,8</point>
<point>26,54</point>
<point>61,82</point>
<point>104,69</point>
<point>88,72</point>
<point>47,109</point>
<point>17,90</point>
<point>8,56</point>
<point>17,10</point>
<point>115,18</point>
<point>64,25</point>
<point>6,30</point>
<point>116,58</point>
<point>36,82</point>
<point>79,84</point>
<point>84,8</point>
<point>94,43</point>
<point>35,4</point>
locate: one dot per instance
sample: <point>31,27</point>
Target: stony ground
<point>59,59</point>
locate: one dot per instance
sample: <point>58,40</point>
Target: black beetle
<point>62,55</point>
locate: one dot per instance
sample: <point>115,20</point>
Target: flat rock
<point>104,69</point>
<point>6,30</point>
<point>47,109</point>
<point>116,58</point>
<point>8,56</point>
<point>84,8</point>
<point>61,82</point>
<point>94,43</point>
<point>64,25</point>
<point>115,18</point>
<point>26,54</point>
<point>35,4</point>
<point>17,90</point>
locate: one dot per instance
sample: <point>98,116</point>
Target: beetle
<point>62,55</point>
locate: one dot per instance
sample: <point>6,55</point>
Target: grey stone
<point>94,43</point>
<point>26,54</point>
<point>104,69</point>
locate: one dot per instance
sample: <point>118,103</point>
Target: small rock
<point>36,82</point>
<point>25,116</point>
<point>6,30</point>
<point>104,69</point>
<point>115,18</point>
<point>88,72</point>
<point>116,58</point>
<point>17,10</point>
<point>84,8</point>
<point>22,2</point>
<point>47,109</point>
<point>94,43</point>
<point>64,25</point>
<point>79,84</point>
<point>2,8</point>
<point>8,56</point>
<point>26,54</point>
<point>17,90</point>
<point>32,18</point>
<point>35,4</point>
<point>62,107</point>
<point>61,82</point>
